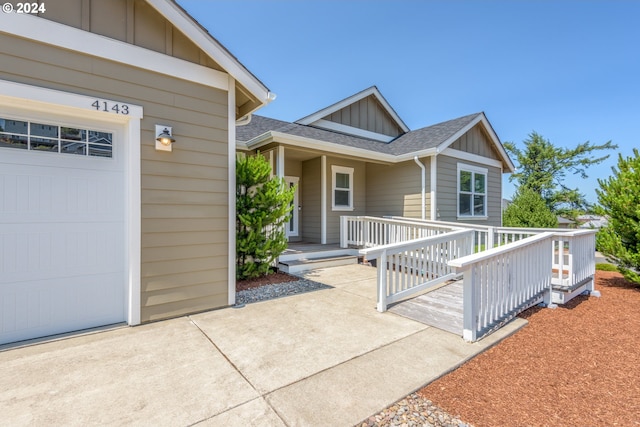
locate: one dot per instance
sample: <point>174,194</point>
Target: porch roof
<point>410,142</point>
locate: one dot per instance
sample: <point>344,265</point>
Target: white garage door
<point>62,230</point>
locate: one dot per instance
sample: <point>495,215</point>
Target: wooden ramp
<point>440,308</point>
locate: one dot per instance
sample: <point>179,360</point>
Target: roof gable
<point>366,114</point>
<point>118,29</point>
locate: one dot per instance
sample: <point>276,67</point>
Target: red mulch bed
<point>577,365</point>
<point>270,279</point>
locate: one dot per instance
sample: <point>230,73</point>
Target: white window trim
<point>347,171</point>
<point>49,101</point>
<point>475,170</point>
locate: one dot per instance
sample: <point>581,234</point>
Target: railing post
<point>490,237</point>
<point>470,308</point>
<point>382,282</point>
<point>365,233</point>
<point>343,232</point>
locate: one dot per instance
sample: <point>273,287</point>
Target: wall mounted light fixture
<point>164,139</point>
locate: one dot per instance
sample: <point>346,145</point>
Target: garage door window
<point>36,136</point>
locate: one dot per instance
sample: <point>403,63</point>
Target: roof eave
<point>175,14</point>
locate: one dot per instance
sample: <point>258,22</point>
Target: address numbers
<point>110,107</point>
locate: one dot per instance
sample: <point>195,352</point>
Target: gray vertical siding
<point>475,141</point>
<point>366,114</point>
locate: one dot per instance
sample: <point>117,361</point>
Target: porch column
<point>434,183</point>
<point>280,162</point>
<point>323,200</point>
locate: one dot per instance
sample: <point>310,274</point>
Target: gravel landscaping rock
<point>267,292</point>
<point>413,411</point>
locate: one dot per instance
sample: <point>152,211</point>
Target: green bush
<point>528,209</point>
<point>263,207</point>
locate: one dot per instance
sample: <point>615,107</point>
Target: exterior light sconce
<point>164,139</point>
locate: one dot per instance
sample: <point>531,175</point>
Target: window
<point>33,136</point>
<point>342,195</point>
<point>472,191</point>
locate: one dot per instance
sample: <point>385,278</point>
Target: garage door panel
<point>49,307</point>
<point>32,252</point>
<point>62,243</point>
<point>58,196</point>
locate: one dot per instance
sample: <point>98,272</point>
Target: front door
<point>292,226</point>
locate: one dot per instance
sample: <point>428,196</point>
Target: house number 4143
<point>110,107</point>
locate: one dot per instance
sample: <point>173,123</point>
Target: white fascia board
<point>314,144</point>
<point>339,127</point>
<point>350,100</point>
<point>185,23</point>
<point>64,36</point>
<point>463,155</point>
<point>494,139</point>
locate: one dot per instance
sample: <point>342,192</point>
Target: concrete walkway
<point>315,359</point>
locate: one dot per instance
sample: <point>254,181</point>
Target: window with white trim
<point>28,135</point>
<point>342,185</point>
<point>472,191</point>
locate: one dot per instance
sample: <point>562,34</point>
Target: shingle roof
<point>420,139</point>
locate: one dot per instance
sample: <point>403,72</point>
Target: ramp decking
<point>440,308</point>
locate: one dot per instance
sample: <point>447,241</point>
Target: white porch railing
<point>573,259</point>
<point>367,232</point>
<point>487,237</point>
<point>501,282</point>
<point>412,266</point>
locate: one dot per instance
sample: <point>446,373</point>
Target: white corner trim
<point>231,196</point>
<point>353,99</point>
<point>323,200</point>
<point>434,187</point>
<point>463,155</point>
<point>351,130</point>
<point>185,23</point>
<point>64,36</point>
<point>134,231</point>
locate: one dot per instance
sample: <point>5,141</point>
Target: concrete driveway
<point>321,358</point>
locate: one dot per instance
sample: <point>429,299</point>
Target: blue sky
<point>570,70</point>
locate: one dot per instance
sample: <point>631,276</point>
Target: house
<point>100,222</point>
<point>357,157</point>
<point>565,222</point>
<point>588,221</point>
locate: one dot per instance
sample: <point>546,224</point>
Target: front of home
<point>101,223</point>
<point>357,157</point>
<point>119,126</point>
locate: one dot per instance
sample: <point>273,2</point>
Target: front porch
<point>504,270</point>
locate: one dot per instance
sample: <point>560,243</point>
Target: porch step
<point>306,264</point>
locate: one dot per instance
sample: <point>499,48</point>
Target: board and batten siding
<point>475,141</point>
<point>397,189</point>
<point>366,114</point>
<point>447,192</point>
<point>184,193</point>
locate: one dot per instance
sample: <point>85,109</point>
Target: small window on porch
<point>342,182</point>
<point>472,192</point>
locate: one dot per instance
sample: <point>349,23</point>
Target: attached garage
<point>64,226</point>
<point>99,225</point>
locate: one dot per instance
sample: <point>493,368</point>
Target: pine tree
<point>528,209</point>
<point>263,207</point>
<point>619,197</point>
<point>543,166</point>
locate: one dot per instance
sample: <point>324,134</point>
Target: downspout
<point>424,189</point>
